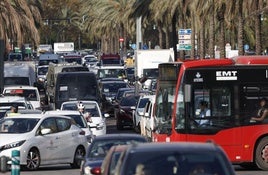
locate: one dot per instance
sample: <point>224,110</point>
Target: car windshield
<point>29,94</point>
<point>42,70</point>
<point>11,125</point>
<point>16,81</point>
<point>170,162</point>
<point>89,107</point>
<point>113,87</point>
<point>143,102</point>
<point>129,101</point>
<point>101,147</point>
<point>5,105</point>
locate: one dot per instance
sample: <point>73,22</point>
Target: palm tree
<point>19,20</point>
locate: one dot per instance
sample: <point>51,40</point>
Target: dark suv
<point>180,158</point>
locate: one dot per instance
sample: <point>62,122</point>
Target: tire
<point>33,159</point>
<point>78,157</point>
<point>259,160</point>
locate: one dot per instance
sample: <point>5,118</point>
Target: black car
<point>124,112</point>
<point>101,144</point>
<point>180,158</point>
<point>108,90</point>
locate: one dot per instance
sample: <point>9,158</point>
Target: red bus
<point>232,89</point>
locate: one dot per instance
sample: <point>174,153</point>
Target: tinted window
<point>129,101</point>
<point>16,81</point>
<point>170,162</point>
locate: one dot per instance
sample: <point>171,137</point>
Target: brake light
<point>96,171</point>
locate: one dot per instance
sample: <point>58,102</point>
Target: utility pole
<point>138,47</point>
<point>2,50</point>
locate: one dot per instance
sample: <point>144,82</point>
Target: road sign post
<point>184,39</point>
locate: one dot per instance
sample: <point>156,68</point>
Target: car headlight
<point>12,145</point>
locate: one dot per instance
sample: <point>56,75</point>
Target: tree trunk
<point>211,45</point>
<point>257,28</point>
<point>160,33</point>
<point>240,34</point>
<point>202,41</point>
<point>193,38</point>
<point>222,43</point>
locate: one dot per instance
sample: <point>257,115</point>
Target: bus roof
<point>252,59</point>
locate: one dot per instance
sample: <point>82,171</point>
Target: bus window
<point>221,101</point>
<point>180,117</point>
<point>165,101</point>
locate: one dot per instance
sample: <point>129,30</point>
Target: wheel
<point>261,154</point>
<point>33,159</point>
<point>78,157</point>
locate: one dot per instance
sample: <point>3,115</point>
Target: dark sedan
<point>108,91</point>
<point>98,149</point>
<point>180,158</point>
<point>125,111</point>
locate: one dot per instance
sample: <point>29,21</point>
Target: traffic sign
<point>181,37</point>
<point>184,47</point>
<point>185,42</point>
<point>185,32</point>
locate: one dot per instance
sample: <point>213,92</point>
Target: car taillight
<point>82,133</point>
<point>96,171</point>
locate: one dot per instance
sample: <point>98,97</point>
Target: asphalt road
<point>66,169</point>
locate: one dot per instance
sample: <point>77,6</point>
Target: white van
<point>30,93</point>
<point>45,59</point>
<point>19,73</point>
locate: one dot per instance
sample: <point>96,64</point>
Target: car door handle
<point>57,138</point>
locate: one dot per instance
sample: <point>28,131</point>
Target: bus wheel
<point>261,156</point>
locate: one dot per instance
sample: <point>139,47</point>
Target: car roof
<point>119,136</point>
<point>77,101</point>
<point>63,112</point>
<point>10,99</point>
<point>113,81</point>
<point>111,67</point>
<point>20,87</point>
<point>176,146</point>
<point>38,116</point>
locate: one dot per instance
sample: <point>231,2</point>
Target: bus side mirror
<point>187,92</point>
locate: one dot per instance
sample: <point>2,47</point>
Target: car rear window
<point>207,163</point>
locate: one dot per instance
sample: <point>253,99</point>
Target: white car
<point>7,101</point>
<point>42,139</point>
<point>138,113</point>
<point>147,119</point>
<point>78,118</point>
<point>98,124</point>
<point>30,93</point>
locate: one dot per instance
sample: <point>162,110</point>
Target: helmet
<point>80,105</point>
